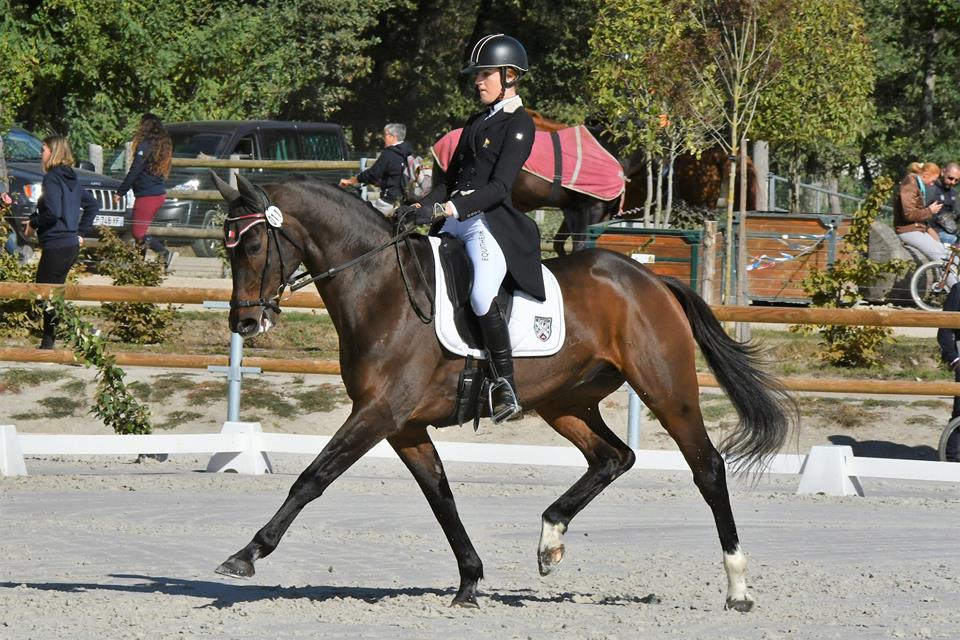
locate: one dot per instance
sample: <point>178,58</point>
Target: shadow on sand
<point>885,449</point>
<point>223,595</point>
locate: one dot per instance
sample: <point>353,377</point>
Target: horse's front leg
<point>365,427</point>
<point>419,454</point>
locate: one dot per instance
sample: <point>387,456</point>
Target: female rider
<point>474,194</point>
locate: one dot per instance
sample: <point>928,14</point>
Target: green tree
<point>738,37</point>
<point>641,87</point>
<point>916,46</point>
<point>101,63</point>
<point>422,45</point>
<point>818,107</point>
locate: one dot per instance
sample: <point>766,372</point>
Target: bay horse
<point>623,323</point>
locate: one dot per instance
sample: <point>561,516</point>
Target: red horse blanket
<point>586,166</point>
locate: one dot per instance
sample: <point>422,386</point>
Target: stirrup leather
<point>509,408</point>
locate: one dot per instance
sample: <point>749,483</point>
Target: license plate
<point>108,221</point>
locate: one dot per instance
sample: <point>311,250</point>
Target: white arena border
<point>242,447</point>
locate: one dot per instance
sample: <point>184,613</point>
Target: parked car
<point>253,139</point>
<point>21,150</point>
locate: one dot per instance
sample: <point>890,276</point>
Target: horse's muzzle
<point>250,323</point>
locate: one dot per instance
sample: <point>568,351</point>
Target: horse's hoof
<point>743,606</point>
<point>550,559</point>
<point>467,600</point>
<point>236,568</point>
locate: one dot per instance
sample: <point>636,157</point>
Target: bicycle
<point>952,426</point>
<point>928,286</point>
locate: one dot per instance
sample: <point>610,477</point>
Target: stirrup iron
<point>511,408</point>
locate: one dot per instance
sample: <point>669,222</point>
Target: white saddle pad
<point>536,328</point>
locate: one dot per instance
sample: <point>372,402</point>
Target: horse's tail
<point>767,412</point>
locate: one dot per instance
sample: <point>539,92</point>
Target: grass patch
<point>167,384</point>
<point>53,407</point>
<point>922,420</point>
<point>872,403</point>
<point>206,392</point>
<point>74,387</point>
<point>15,380</point>
<point>177,418</point>
<point>930,404</point>
<point>140,390</point>
<point>257,393</point>
<point>320,399</point>
<point>717,410</point>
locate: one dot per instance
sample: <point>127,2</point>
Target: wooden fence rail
<point>332,367</point>
<point>310,299</point>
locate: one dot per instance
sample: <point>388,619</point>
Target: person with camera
<point>945,222</point>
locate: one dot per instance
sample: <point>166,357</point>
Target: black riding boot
<point>496,337</point>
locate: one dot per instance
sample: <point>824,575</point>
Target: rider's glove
<point>412,215</point>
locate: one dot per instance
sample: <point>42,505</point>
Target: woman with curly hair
<point>153,151</point>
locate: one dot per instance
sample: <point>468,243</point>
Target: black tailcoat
<point>480,176</point>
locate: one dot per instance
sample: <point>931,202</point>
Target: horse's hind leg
<point>679,413</point>
<point>417,452</point>
<point>363,429</point>
<point>607,458</point>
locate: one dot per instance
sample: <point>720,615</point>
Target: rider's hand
<point>413,213</point>
<point>935,206</point>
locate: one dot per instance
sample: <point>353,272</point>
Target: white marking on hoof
<point>550,550</point>
<point>735,564</point>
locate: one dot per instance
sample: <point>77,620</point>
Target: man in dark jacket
<point>947,338</point>
<point>387,171</point>
<point>943,191</point>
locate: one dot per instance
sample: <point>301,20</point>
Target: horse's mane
<point>297,189</point>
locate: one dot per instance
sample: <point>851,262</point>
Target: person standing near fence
<point>387,171</point>
<point>911,214</point>
<point>153,151</point>
<point>58,221</point>
<point>947,338</point>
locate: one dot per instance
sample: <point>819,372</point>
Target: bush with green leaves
<point>114,404</point>
<point>838,287</point>
<point>136,322</point>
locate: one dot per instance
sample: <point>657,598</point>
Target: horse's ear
<point>252,196</point>
<point>229,193</point>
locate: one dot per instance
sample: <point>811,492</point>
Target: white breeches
<point>489,264</point>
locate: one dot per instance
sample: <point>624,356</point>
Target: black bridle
<point>298,281</point>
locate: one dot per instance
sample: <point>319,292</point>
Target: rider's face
<point>487,82</point>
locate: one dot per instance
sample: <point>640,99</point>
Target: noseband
<point>297,281</point>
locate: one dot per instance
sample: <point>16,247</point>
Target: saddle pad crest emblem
<point>542,328</point>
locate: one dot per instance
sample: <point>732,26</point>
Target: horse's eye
<point>253,247</point>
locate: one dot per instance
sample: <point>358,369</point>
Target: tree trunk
<point>669,211</point>
<point>931,50</point>
<point>731,194</point>
<point>659,211</point>
<point>648,203</point>
<point>833,184</point>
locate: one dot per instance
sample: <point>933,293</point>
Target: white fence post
<point>825,471</point>
<point>251,460</point>
<point>11,457</point>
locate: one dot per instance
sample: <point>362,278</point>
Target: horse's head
<point>264,252</point>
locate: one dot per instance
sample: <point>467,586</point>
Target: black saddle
<point>458,273</point>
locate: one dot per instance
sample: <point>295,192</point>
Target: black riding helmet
<point>498,51</point>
